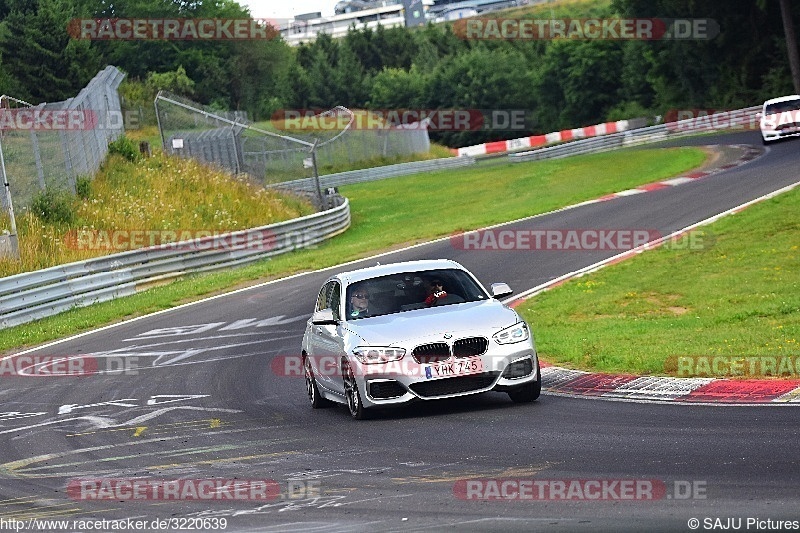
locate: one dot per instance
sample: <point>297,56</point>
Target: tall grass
<point>738,295</point>
<point>159,193</point>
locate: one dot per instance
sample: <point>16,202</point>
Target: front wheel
<point>354,403</point>
<point>317,401</point>
<point>528,392</point>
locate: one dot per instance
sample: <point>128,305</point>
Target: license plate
<point>458,367</point>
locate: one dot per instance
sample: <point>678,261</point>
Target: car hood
<point>482,318</point>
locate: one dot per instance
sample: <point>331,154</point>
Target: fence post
<point>322,201</point>
<point>13,239</point>
<point>38,158</point>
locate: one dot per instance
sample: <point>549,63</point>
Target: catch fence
<point>272,153</point>
<point>51,145</point>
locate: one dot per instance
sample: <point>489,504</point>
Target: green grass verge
<point>394,212</point>
<point>737,296</point>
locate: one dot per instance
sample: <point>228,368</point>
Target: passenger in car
<point>436,291</point>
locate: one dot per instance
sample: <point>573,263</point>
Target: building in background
<point>445,10</point>
<point>386,13</point>
<point>358,13</point>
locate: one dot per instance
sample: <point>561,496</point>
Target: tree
<point>791,43</point>
<point>176,82</point>
<point>349,79</point>
<point>395,46</point>
<point>727,70</point>
<point>362,44</point>
<point>395,88</point>
<point>295,88</point>
<point>480,81</point>
<point>321,79</point>
<point>47,64</point>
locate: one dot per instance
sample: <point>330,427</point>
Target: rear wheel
<point>528,392</point>
<point>354,403</point>
<point>317,401</point>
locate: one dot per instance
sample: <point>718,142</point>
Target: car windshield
<point>782,107</point>
<point>408,291</point>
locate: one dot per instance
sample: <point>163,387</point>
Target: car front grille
<point>470,346</point>
<point>431,353</point>
<point>385,389</point>
<point>457,385</point>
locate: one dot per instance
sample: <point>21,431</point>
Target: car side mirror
<point>759,115</point>
<point>324,317</point>
<point>500,289</point>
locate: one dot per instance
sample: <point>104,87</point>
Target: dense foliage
<point>562,83</point>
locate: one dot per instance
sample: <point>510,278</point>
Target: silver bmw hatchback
<point>391,334</point>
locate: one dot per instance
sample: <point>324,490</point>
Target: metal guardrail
<point>33,295</point>
<point>650,134</point>
<point>377,173</point>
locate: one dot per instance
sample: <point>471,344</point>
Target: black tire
<point>354,403</point>
<point>317,401</point>
<point>528,392</point>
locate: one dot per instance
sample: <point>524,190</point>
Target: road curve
<point>203,397</point>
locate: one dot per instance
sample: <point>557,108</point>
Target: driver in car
<point>359,303</point>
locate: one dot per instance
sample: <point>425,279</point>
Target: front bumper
<point>393,385</point>
<point>770,135</point>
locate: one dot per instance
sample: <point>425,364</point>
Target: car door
<point>326,340</point>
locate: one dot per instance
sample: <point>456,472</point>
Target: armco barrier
<point>533,141</point>
<point>635,137</point>
<point>34,295</point>
<point>377,173</point>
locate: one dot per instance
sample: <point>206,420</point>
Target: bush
<point>83,187</point>
<point>126,148</point>
<point>54,207</point>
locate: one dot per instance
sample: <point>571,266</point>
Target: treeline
<point>561,83</point>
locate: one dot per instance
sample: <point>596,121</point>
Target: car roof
<point>378,270</point>
<point>783,99</point>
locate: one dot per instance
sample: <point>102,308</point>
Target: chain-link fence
<point>50,145</point>
<point>273,155</point>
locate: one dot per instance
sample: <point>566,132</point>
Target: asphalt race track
<point>210,391</point>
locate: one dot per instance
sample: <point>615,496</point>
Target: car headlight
<point>378,354</point>
<point>516,333</point>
